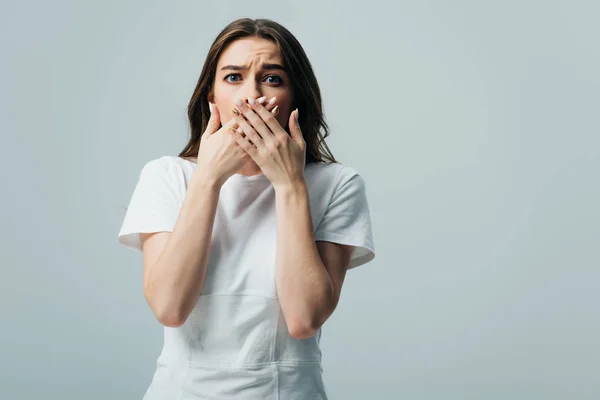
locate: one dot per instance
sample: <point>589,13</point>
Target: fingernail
<point>210,107</point>
<point>235,111</point>
<point>239,102</point>
<point>297,112</point>
<point>275,110</point>
<point>261,99</point>
<point>272,101</point>
<point>251,101</point>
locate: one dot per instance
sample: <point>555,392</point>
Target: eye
<point>275,80</point>
<point>234,75</point>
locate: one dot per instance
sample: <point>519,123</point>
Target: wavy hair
<point>305,89</point>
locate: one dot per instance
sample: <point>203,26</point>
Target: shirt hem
<point>288,363</point>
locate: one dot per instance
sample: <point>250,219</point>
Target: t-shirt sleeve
<point>154,205</point>
<point>347,219</point>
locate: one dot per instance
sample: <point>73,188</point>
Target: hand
<point>280,157</point>
<point>219,155</point>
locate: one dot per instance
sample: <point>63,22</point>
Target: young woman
<point>247,235</point>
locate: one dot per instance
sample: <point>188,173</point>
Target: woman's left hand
<point>280,157</point>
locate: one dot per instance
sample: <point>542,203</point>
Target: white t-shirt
<point>235,343</point>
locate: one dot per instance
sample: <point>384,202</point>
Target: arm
<point>309,275</point>
<point>175,265</point>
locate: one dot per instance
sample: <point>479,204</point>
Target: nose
<point>252,89</point>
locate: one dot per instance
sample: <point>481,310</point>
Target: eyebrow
<point>245,67</point>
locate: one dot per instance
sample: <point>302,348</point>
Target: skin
<point>256,81</point>
<point>309,274</point>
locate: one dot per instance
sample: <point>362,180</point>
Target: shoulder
<point>165,162</point>
<point>166,173</point>
<point>325,170</point>
<point>335,174</point>
<point>164,166</point>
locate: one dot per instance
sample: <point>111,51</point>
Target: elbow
<point>302,329</point>
<point>299,332</point>
<point>171,315</point>
<point>166,314</point>
<point>170,319</point>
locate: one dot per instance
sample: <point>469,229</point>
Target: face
<point>251,67</point>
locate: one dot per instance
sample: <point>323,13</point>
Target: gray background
<point>472,122</point>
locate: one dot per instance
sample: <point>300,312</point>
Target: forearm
<point>304,287</point>
<point>176,280</point>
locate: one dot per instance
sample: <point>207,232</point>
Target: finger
<point>248,129</point>
<point>237,129</point>
<point>232,123</point>
<point>245,143</point>
<point>214,120</point>
<point>256,122</point>
<point>269,105</point>
<point>268,118</point>
<point>294,125</point>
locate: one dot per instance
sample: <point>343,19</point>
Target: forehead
<point>249,51</point>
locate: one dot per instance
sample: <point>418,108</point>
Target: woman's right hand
<point>219,155</point>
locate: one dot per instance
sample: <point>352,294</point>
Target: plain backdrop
<point>474,124</point>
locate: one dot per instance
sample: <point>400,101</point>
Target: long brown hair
<point>305,89</point>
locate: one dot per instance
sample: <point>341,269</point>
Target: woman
<point>248,233</point>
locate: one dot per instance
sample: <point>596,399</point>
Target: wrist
<point>206,181</point>
<point>290,187</point>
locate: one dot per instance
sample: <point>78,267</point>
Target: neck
<point>247,170</point>
<point>250,169</point>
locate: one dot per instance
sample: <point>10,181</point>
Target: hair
<point>305,89</point>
